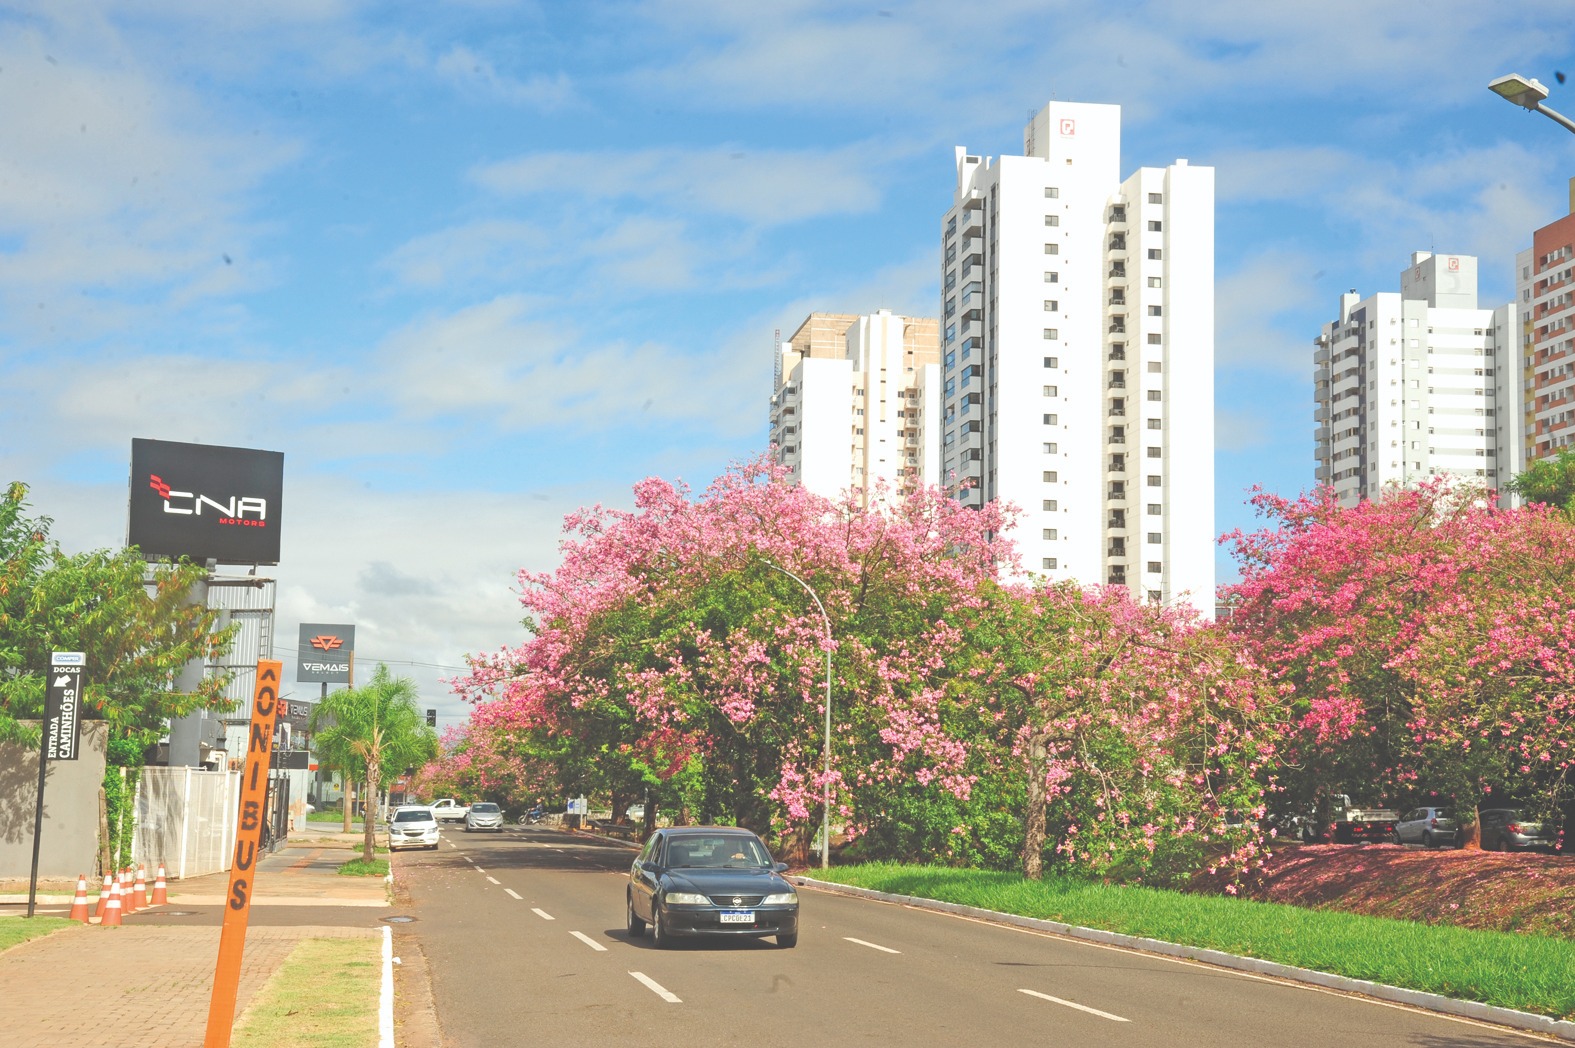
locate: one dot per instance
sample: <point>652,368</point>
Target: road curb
<point>1562,1029</point>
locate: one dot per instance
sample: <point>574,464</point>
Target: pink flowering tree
<point>1421,642</point>
<point>669,655</point>
<point>1137,730</point>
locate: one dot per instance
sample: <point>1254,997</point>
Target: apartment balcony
<point>1117,519</point>
<point>1321,413</point>
<point>1117,548</point>
<point>1118,325</point>
<point>1117,438</point>
<point>1117,353</point>
<point>1116,464</point>
<point>1321,355</point>
<point>1117,383</point>
<point>1117,576</point>
<point>1118,242</point>
<point>1117,491</point>
<point>1321,435</point>
<point>1118,270</point>
<point>1117,298</point>
<point>1118,412</point>
<point>1321,375</point>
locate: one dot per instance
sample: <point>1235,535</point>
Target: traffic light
<point>431,718</point>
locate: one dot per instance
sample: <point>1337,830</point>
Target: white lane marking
<point>494,880</point>
<point>543,914</point>
<point>512,892</point>
<point>478,869</point>
<point>657,988</point>
<point>1074,1004</point>
<point>873,946</point>
<point>587,940</point>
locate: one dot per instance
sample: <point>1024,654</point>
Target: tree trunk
<point>104,861</point>
<point>369,817</point>
<point>1473,837</point>
<point>344,799</point>
<point>1034,818</point>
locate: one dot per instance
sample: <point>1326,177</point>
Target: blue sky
<point>473,265</point>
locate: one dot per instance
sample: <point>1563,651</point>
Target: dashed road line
<point>543,914</point>
<point>657,988</point>
<point>587,940</point>
<point>1074,1004</point>
<point>873,946</point>
<point>514,893</point>
<point>494,880</point>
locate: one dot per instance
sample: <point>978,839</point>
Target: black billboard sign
<point>325,653</point>
<point>205,502</point>
<point>295,713</point>
<point>63,706</point>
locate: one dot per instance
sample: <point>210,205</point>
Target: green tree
<point>1550,481</point>
<point>134,622</point>
<point>371,732</point>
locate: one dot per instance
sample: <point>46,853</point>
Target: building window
<point>1156,198</point>
<point>1050,449</point>
<point>1154,509</point>
<point>1052,362</point>
<point>1050,534</point>
<point>1052,305</point>
<point>1050,391</point>
<point>1155,367</point>
<point>1155,423</point>
<point>1051,192</point>
<point>1050,505</point>
<point>1154,226</point>
<point>1052,249</point>
<point>1155,340</point>
<point>1154,567</point>
<point>1052,220</point>
<point>1156,311</point>
<point>1052,277</point>
<point>1052,333</point>
<point>1153,537</point>
<point>1154,282</point>
<point>1155,394</point>
<point>1050,477</point>
<point>1153,453</point>
<point>1154,253</point>
<point>1049,563</point>
<point>1051,420</point>
<point>1153,480</point>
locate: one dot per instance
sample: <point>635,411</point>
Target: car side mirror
<point>779,867</point>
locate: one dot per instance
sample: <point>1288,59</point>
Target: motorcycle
<point>532,817</point>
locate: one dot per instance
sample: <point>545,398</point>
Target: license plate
<point>738,916</point>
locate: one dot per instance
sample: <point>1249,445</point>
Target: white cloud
<point>1252,306</point>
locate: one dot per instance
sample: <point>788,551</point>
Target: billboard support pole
<point>38,810</point>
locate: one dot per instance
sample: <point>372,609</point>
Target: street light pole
<point>825,807</point>
<point>1528,93</point>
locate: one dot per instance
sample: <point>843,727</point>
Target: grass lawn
<point>15,931</point>
<point>324,996</point>
<point>1527,972</point>
<point>357,868</point>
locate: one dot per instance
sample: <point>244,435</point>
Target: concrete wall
<point>70,832</point>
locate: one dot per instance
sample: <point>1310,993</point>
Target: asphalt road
<point>524,936</point>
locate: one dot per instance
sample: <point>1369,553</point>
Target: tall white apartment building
<point>1419,384</point>
<point>857,403</point>
<point>1078,355</point>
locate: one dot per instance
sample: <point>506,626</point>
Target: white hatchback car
<point>412,828</point>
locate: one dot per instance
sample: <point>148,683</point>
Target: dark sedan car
<point>1503,829</point>
<point>709,880</point>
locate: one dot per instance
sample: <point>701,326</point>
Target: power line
<point>394,662</point>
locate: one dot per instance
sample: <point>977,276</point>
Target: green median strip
<point>1529,973</point>
<point>16,931</point>
<point>324,996</point>
<point>358,868</point>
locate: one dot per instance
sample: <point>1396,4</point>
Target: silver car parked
<point>484,815</point>
<point>1429,827</point>
<point>1503,829</point>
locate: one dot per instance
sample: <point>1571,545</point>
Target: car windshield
<point>484,808</point>
<point>718,851</point>
<point>413,815</point>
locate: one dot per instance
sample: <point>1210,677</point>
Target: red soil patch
<point>1528,893</point>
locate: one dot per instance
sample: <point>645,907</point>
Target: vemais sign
<point>205,502</point>
<point>325,653</point>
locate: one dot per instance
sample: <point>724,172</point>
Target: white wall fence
<point>186,820</point>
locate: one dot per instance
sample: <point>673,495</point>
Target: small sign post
<point>60,738</point>
<point>248,849</point>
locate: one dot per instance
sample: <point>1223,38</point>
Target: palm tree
<point>367,731</point>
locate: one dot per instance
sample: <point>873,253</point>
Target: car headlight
<point>687,899</point>
<point>781,899</point>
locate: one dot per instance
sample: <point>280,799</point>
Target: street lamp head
<point>1522,91</point>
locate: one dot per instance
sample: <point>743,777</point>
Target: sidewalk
<point>149,982</point>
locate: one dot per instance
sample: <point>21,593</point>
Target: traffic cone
<point>140,892</point>
<point>112,911</point>
<point>159,889</point>
<point>79,906</point>
<point>103,896</point>
<point>128,901</point>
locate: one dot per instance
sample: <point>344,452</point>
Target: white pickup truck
<point>449,810</point>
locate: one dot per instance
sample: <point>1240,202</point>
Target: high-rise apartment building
<point>1545,285</point>
<point>1418,384</point>
<point>1078,355</point>
<point>856,403</point>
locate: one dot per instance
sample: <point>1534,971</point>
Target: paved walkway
<point>149,982</point>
